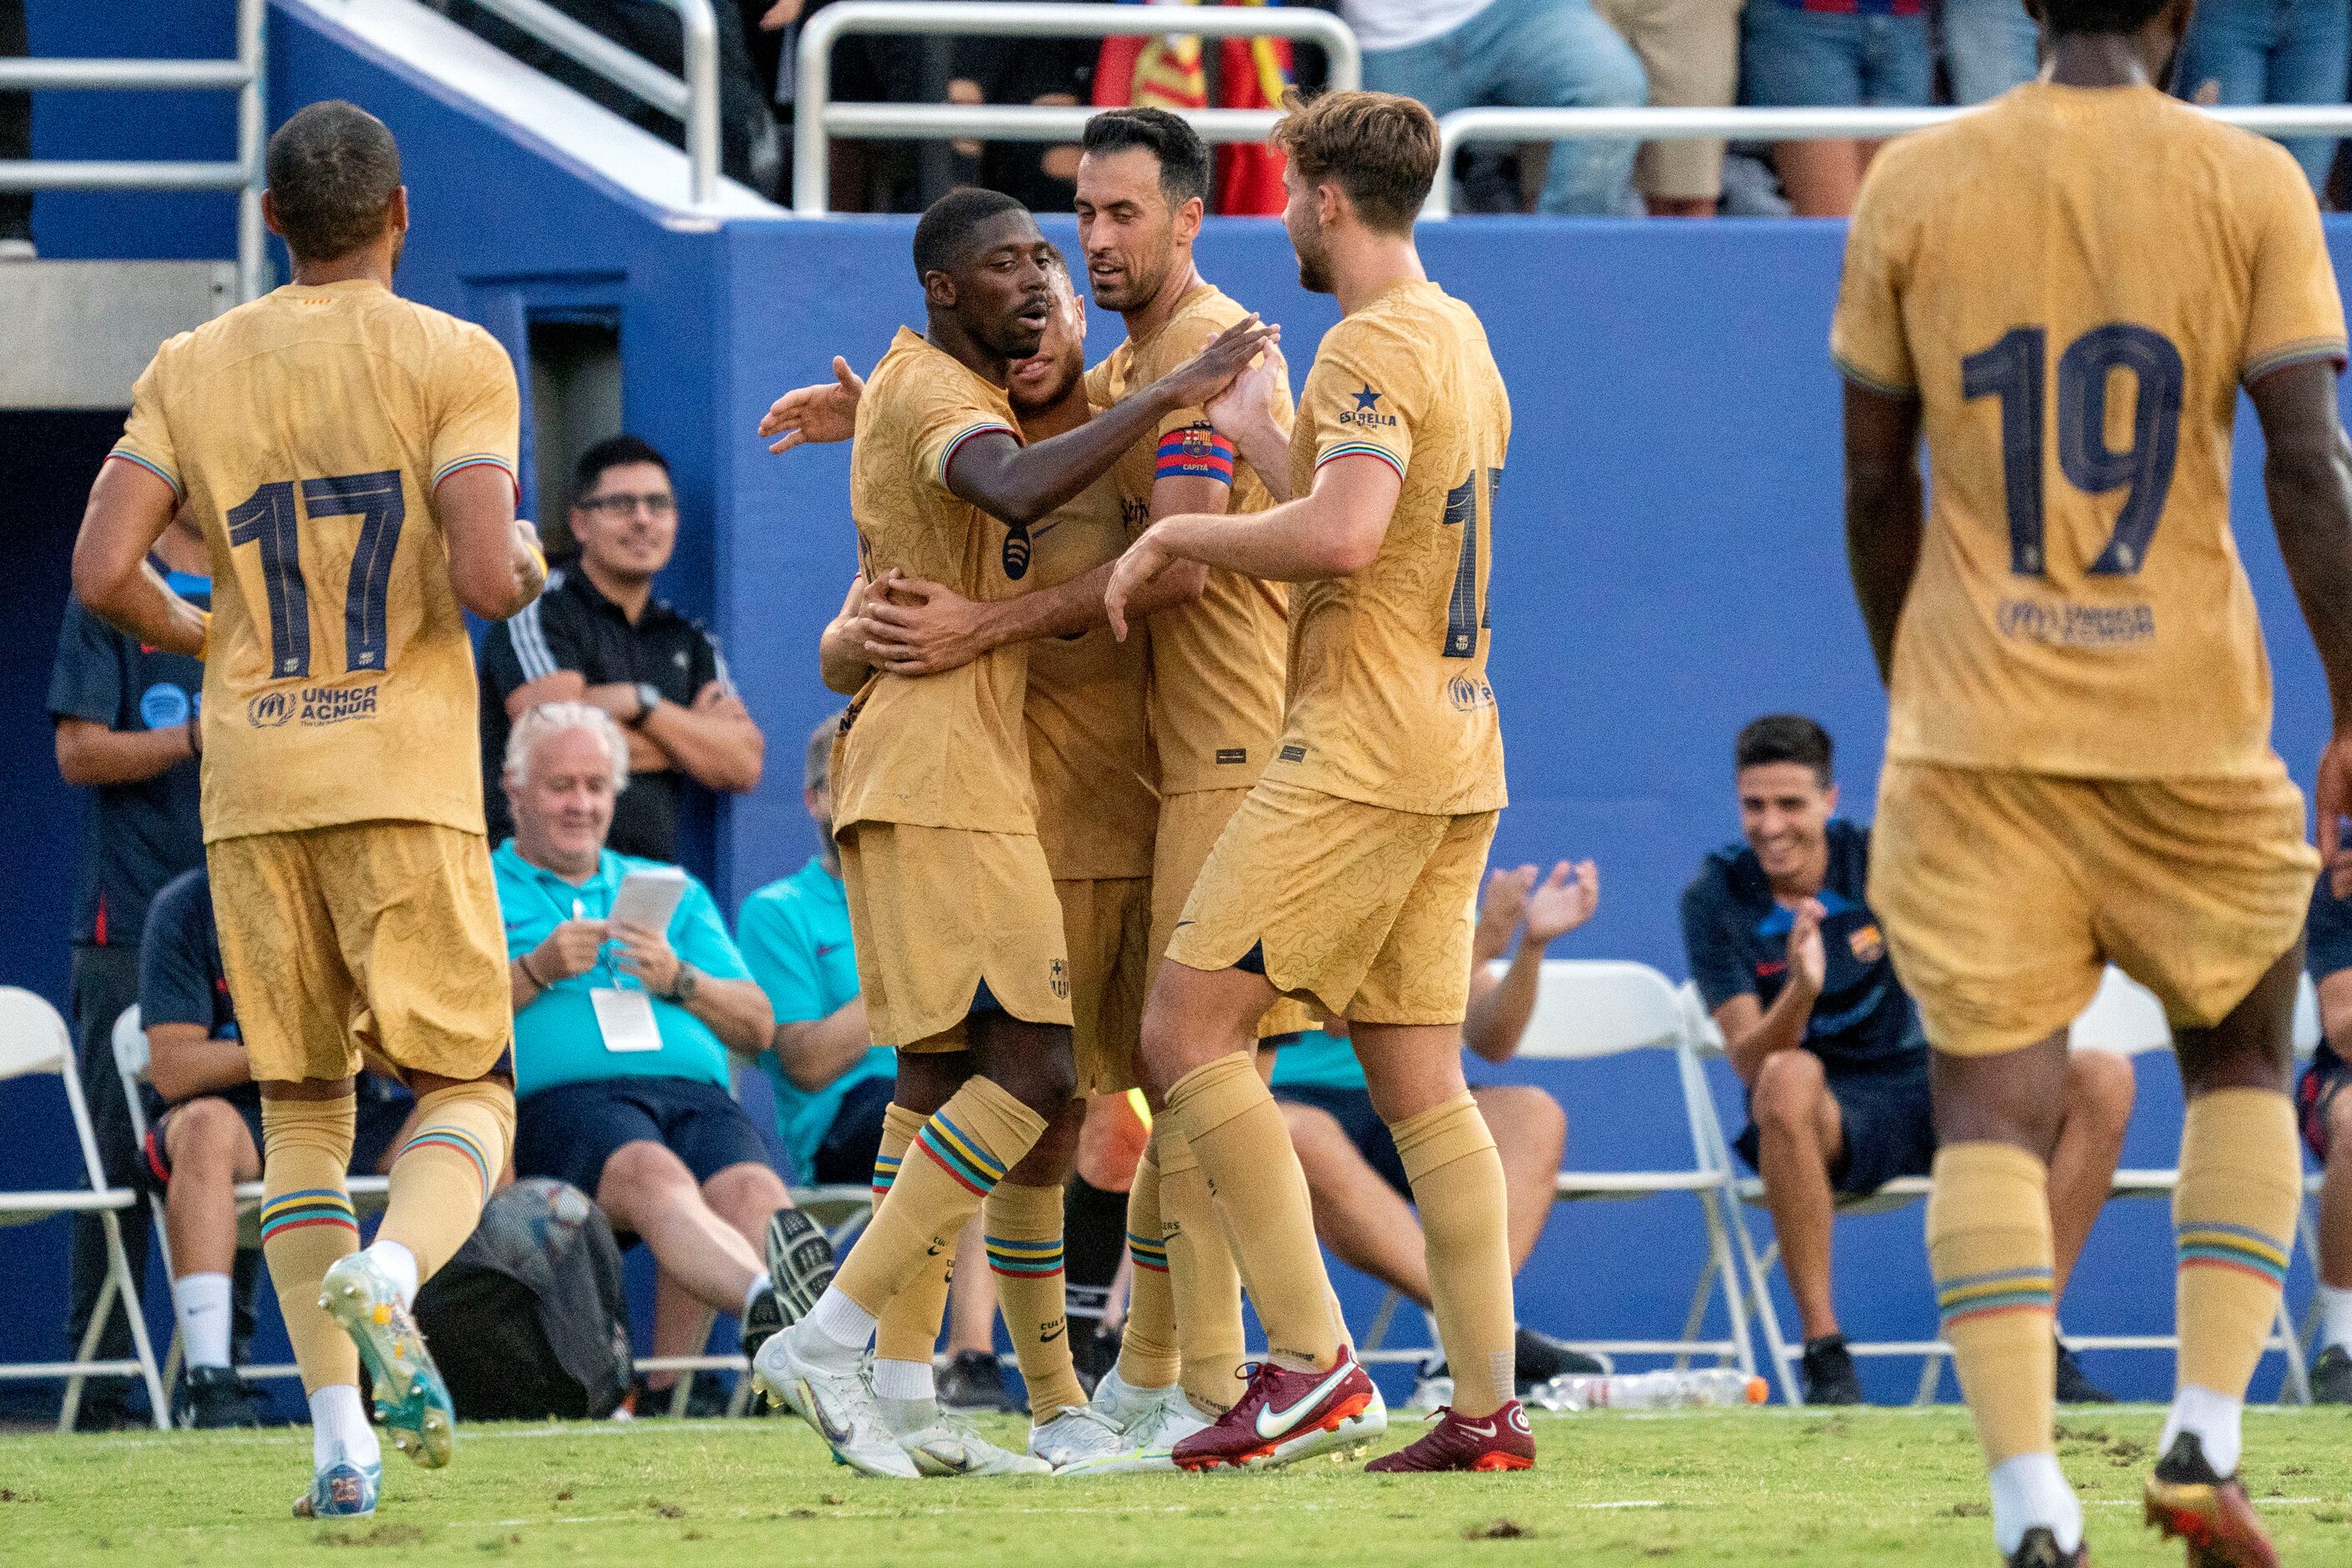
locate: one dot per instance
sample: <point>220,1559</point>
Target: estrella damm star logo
<point>1366,400</point>
<point>1367,412</point>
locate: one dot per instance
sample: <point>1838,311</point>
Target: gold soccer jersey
<point>2074,283</point>
<point>306,433</point>
<point>1217,664</point>
<point>1389,702</point>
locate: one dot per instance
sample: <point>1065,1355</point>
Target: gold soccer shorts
<point>938,910</point>
<point>1190,825</point>
<point>1107,925</point>
<point>2003,895</point>
<point>384,935</point>
<point>1364,911</point>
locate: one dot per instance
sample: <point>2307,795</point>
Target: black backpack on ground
<point>529,1320</point>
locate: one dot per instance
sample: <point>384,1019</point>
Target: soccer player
<point>959,936</point>
<point>351,459</point>
<point>1350,870</point>
<point>2066,291</point>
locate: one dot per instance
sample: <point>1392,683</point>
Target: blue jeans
<point>1541,54</point>
<point>1988,47</point>
<point>2270,51</point>
<point>1792,58</point>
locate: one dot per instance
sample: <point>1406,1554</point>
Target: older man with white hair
<point>622,1035</point>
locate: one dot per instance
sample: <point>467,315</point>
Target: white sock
<point>2335,1316</point>
<point>839,1321</point>
<point>903,1380</point>
<point>339,1426</point>
<point>2030,1491</point>
<point>2213,1416</point>
<point>401,1264</point>
<point>759,1286</point>
<point>201,1302</point>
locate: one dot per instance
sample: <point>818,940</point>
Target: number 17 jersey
<point>306,434</point>
<point>2074,283</point>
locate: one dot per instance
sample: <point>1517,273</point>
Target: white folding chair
<point>33,1039</point>
<point>132,1058</point>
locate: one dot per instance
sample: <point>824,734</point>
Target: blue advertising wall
<point>1669,565</point>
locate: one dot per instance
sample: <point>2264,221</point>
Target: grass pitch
<point>1824,1491</point>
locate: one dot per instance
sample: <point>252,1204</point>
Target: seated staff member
<point>1354,1175</point>
<point>2326,1111</point>
<point>1789,959</point>
<point>208,1138</point>
<point>622,1037</point>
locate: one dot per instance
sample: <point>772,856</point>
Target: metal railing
<point>1467,125</point>
<point>693,102</point>
<point>241,75</point>
<point>818,119</point>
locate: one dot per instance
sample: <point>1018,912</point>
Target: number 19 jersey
<point>2075,282</point>
<point>306,432</point>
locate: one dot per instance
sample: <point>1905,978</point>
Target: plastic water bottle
<point>1655,1390</point>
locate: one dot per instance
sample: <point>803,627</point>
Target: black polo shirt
<point>571,625</point>
<point>135,837</point>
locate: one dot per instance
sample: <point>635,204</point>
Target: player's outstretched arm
<point>1882,510</point>
<point>130,507</point>
<point>1243,414</point>
<point>496,566</point>
<point>1020,484</point>
<point>2308,475</point>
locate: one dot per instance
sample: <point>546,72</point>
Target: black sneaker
<point>974,1381</point>
<point>1539,1358</point>
<point>2074,1385</point>
<point>762,1319</point>
<point>1828,1373</point>
<point>2039,1550</point>
<point>707,1399</point>
<point>2210,1512</point>
<point>2331,1377</point>
<point>1093,1351</point>
<point>211,1398</point>
<point>800,1264</point>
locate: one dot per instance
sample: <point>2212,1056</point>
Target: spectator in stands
<point>622,1043</point>
<point>598,634</point>
<point>1825,54</point>
<point>126,730</point>
<point>2327,1114</point>
<point>1362,1203</point>
<point>2270,51</point>
<point>1789,959</point>
<point>208,1138</point>
<point>1690,51</point>
<point>15,141</point>
<point>1548,54</point>
<point>1990,47</point>
<point>832,1084</point>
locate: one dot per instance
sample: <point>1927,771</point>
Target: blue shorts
<point>1889,1126</point>
<point>846,1158</point>
<point>569,1131</point>
<point>1352,1110</point>
<point>1794,58</point>
<point>382,1110</point>
<point>2315,1097</point>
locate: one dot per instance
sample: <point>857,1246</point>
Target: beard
<point>1314,273</point>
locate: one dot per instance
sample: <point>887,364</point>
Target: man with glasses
<point>600,636</point>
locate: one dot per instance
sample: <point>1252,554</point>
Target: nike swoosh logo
<point>827,947</point>
<point>834,1435</point>
<point>1283,1420</point>
<point>1050,1336</point>
<point>1485,1431</point>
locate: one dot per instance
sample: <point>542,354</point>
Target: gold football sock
<point>960,1153</point>
<point>1021,1227</point>
<point>1237,1133</point>
<point>443,1175</point>
<point>1458,1185</point>
<point>2233,1223</point>
<point>1989,1248</point>
<point>908,1328</point>
<point>1147,1348</point>
<point>307,1225</point>
<point>1201,1279</point>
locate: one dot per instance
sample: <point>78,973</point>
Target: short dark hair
<point>944,236</point>
<point>1183,156</point>
<point>613,452</point>
<point>1785,738</point>
<point>1378,147</point>
<point>333,169</point>
<point>2085,16</point>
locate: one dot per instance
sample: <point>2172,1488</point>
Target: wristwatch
<point>649,698</point>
